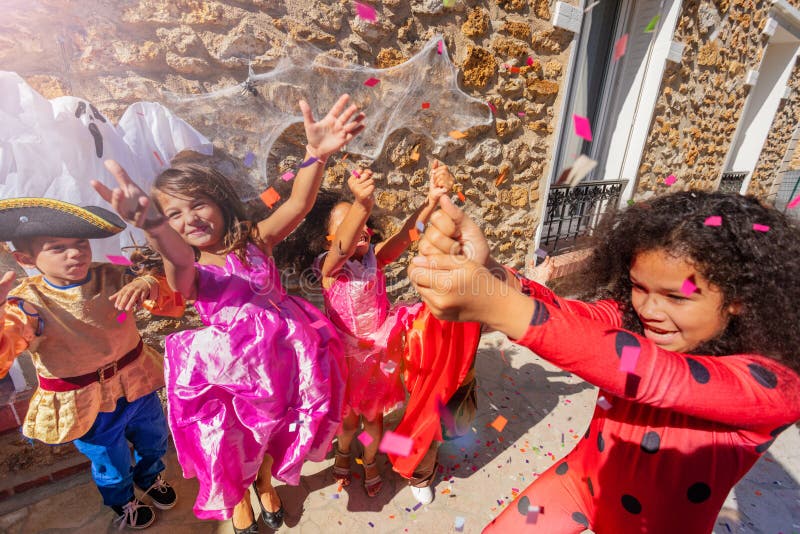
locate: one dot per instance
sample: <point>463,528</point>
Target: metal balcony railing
<point>731,182</point>
<point>573,213</point>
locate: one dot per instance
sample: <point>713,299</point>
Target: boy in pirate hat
<point>97,381</point>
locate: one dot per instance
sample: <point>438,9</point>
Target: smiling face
<point>673,320</point>
<point>338,214</point>
<point>62,260</point>
<point>199,221</point>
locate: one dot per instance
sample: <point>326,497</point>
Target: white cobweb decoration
<point>247,119</point>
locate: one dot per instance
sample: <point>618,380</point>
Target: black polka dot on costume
<point>601,443</point>
<point>631,504</point>
<point>591,486</point>
<point>698,370</point>
<point>540,314</point>
<point>580,519</point>
<point>588,431</point>
<point>522,506</point>
<point>625,339</point>
<point>763,376</point>
<point>562,469</point>
<point>698,492</point>
<point>651,441</point>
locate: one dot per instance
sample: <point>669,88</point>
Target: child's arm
<point>134,206</point>
<point>392,248</point>
<point>135,292</point>
<point>17,328</point>
<point>325,137</point>
<point>346,238</point>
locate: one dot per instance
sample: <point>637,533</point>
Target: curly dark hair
<point>309,240</point>
<point>758,270</point>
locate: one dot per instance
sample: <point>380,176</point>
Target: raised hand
<point>363,186</point>
<point>6,283</point>
<point>129,200</point>
<point>441,181</point>
<point>335,130</point>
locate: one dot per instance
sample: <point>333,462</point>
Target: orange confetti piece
<point>419,324</point>
<point>446,491</point>
<point>461,197</point>
<point>515,70</point>
<point>499,424</point>
<point>456,134</point>
<point>501,178</point>
<point>270,197</point>
<point>330,237</point>
<point>415,153</point>
<point>413,234</point>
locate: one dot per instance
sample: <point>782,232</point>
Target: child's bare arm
<point>17,327</point>
<point>345,240</point>
<point>441,182</point>
<point>134,206</point>
<point>325,137</point>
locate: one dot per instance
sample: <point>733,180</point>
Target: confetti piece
<point>499,424</point>
<point>366,12</point>
<point>533,513</point>
<point>397,444</point>
<point>514,70</point>
<point>372,82</point>
<point>270,197</point>
<point>413,234</point>
<point>652,24</point>
<point>581,167</point>
<point>455,134</point>
<point>418,324</point>
<point>359,461</point>
<point>582,127</point>
<point>714,220</point>
<point>794,202</point>
<point>494,109</point>
<point>529,61</point>
<point>330,237</point>
<point>603,403</point>
<point>520,113</point>
<point>440,47</point>
<point>118,260</point>
<point>417,506</point>
<point>688,287</point>
<point>420,226</point>
<point>335,496</point>
<point>288,175</point>
<point>365,439</point>
<point>415,153</point>
<point>669,180</point>
<point>501,178</point>
<point>459,524</point>
<point>760,227</point>
<point>316,325</point>
<point>160,161</point>
<point>365,343</point>
<point>388,368</point>
<point>356,173</point>
<point>121,317</point>
<point>292,427</point>
<point>461,197</point>
<point>370,524</point>
<point>620,47</point>
<point>249,158</point>
<point>426,105</point>
<point>628,359</point>
<point>448,3</point>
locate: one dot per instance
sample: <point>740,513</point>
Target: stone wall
<point>702,97</point>
<point>117,52</point>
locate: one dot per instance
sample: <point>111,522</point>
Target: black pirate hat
<point>22,218</point>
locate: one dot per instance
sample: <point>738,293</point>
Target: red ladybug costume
<point>679,434</point>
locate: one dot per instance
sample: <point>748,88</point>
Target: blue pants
<point>141,422</point>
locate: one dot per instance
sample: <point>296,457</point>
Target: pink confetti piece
<point>356,173</point>
<point>317,325</point>
<point>582,127</point>
<point>669,180</point>
<point>620,47</point>
<point>365,439</point>
<point>397,444</point>
<point>760,227</point>
<point>158,157</point>
<point>533,513</point>
<point>714,220</point>
<point>288,175</point>
<point>372,82</point>
<point>688,287</point>
<point>121,317</point>
<point>119,260</point>
<point>529,61</point>
<point>521,113</point>
<point>440,47</point>
<point>794,202</point>
<point>366,12</point>
<point>628,359</point>
<point>494,110</point>
<point>603,403</point>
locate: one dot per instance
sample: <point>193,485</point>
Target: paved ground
<point>547,411</point>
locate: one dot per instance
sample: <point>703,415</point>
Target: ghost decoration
<point>54,148</point>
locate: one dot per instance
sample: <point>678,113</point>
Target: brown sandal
<point>372,485</point>
<point>341,473</point>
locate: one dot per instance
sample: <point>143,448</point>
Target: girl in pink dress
<point>373,332</point>
<point>260,389</point>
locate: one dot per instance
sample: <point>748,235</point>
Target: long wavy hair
<point>758,270</point>
<point>192,180</point>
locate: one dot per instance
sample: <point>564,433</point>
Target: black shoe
<point>135,514</point>
<point>162,494</point>
<point>252,529</point>
<point>273,520</point>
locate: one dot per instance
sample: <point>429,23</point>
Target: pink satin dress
<point>266,375</point>
<point>373,333</point>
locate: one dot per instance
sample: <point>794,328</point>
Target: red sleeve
<point>744,390</point>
